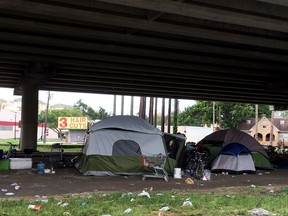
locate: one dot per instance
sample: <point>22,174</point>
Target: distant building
<point>192,133</point>
<point>60,106</point>
<point>9,124</point>
<point>8,105</point>
<point>277,127</point>
<point>10,117</point>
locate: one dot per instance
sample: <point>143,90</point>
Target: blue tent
<point>235,149</point>
<point>234,157</point>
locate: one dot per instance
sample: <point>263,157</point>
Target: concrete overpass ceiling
<point>223,50</point>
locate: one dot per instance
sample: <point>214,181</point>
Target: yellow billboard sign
<point>72,122</point>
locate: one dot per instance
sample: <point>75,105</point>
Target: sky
<point>93,100</point>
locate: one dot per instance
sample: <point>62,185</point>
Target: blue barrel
<point>40,168</point>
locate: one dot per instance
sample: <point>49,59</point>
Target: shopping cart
<point>157,163</point>
<point>57,155</point>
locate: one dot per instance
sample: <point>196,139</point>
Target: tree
<point>284,114</point>
<point>90,112</point>
<point>230,115</point>
<point>197,115</point>
<point>52,120</point>
<point>101,114</point>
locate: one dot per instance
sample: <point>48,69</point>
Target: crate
<point>4,164</point>
<point>20,163</point>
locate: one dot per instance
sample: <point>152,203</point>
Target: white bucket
<point>177,173</point>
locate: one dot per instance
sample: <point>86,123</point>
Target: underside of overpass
<point>221,50</point>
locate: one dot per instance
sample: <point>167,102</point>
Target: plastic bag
<point>206,175</point>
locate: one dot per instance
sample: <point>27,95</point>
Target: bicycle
<point>12,152</point>
<point>197,163</point>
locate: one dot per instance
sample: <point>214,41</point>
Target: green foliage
<point>78,110</point>
<point>52,117</point>
<point>197,115</point>
<point>90,112</point>
<point>227,115</point>
<point>284,114</point>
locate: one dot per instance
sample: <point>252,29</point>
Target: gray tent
<point>234,135</point>
<point>117,144</point>
<point>234,157</point>
<point>216,140</point>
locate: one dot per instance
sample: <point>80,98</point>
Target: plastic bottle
<point>40,167</point>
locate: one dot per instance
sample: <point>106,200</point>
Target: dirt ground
<point>71,181</point>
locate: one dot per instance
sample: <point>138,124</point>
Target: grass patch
<point>42,147</point>
<point>226,203</point>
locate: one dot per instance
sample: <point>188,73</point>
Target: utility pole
<point>256,122</point>
<point>46,117</point>
<point>271,129</point>
<point>15,125</point>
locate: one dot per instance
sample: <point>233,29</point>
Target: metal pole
<point>155,113</point>
<point>163,115</point>
<point>271,129</point>
<point>213,124</point>
<point>151,107</point>
<point>142,107</point>
<point>175,117</point>
<point>132,106</point>
<point>46,117</point>
<point>42,133</point>
<point>169,116</point>
<point>122,105</point>
<point>256,122</point>
<point>15,127</point>
<point>114,106</point>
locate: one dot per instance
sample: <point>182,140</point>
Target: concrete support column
<point>29,117</point>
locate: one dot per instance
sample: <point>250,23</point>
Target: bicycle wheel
<point>199,171</point>
<point>11,153</point>
<point>190,168</point>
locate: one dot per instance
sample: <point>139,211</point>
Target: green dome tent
<point>215,141</point>
<point>234,157</point>
<point>117,145</point>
